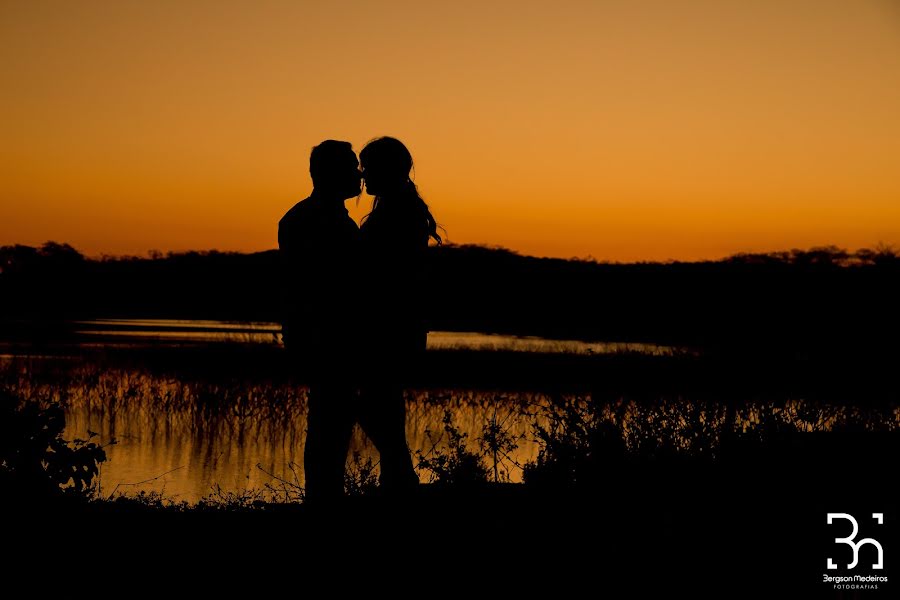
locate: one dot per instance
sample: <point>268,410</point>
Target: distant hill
<point>815,300</point>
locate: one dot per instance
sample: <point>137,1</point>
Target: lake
<point>137,331</point>
<point>186,436</point>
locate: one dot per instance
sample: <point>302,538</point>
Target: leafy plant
<point>449,459</point>
<point>578,441</point>
<point>497,445</point>
<point>35,460</point>
<point>361,476</point>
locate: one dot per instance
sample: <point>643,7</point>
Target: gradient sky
<point>620,130</point>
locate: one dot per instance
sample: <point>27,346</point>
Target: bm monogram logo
<point>849,540</point>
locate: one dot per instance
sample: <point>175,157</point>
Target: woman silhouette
<point>393,240</point>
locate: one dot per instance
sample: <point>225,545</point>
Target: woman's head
<point>386,165</point>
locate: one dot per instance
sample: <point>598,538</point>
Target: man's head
<point>335,170</point>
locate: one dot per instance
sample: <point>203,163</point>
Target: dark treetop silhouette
<point>824,302</point>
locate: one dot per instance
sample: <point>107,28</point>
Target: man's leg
<point>329,427</point>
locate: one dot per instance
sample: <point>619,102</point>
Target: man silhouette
<point>318,243</point>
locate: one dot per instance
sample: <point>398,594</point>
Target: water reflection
<point>174,330</point>
<point>183,436</point>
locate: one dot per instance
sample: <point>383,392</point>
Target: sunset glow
<point>613,129</point>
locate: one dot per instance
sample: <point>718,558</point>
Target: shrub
<point>35,460</point>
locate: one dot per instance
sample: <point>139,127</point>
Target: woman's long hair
<point>389,156</point>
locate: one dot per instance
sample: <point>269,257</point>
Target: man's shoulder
<point>296,212</point>
<point>300,219</point>
<point>293,223</point>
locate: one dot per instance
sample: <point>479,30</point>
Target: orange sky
<point>615,129</point>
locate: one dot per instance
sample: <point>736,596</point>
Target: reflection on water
<point>164,425</point>
<point>485,341</point>
<point>183,436</point>
<point>173,330</point>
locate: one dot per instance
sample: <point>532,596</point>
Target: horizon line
<point>879,248</point>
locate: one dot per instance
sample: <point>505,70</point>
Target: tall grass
<point>235,441</point>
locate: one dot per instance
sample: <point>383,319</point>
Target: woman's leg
<point>382,415</point>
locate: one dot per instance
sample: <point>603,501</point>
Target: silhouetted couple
<point>353,318</point>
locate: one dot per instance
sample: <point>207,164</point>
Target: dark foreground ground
<point>751,524</point>
<point>653,531</point>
